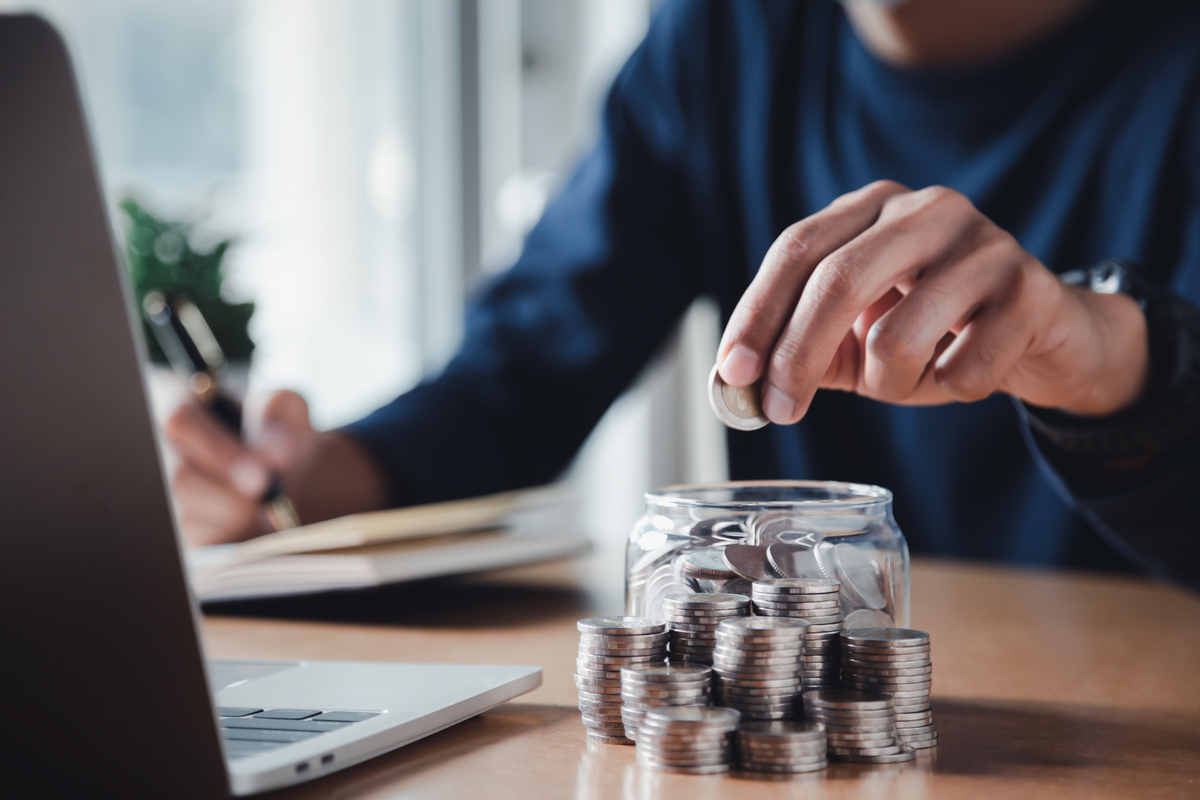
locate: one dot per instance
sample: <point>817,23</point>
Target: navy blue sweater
<point>735,119</point>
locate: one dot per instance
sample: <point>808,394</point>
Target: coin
<point>666,673</point>
<point>866,618</point>
<point>861,576</point>
<point>621,625</point>
<point>830,608</point>
<point>601,739</point>
<point>594,641</point>
<point>797,586</point>
<point>885,637</point>
<point>748,561</point>
<point>750,626</point>
<point>906,754</point>
<point>738,407</point>
<point>586,659</point>
<point>895,681</point>
<point>706,562</point>
<point>757,767</point>
<point>840,699</point>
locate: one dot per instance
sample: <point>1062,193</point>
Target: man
<point>881,196</point>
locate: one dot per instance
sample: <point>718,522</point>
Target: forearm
<point>1132,473</point>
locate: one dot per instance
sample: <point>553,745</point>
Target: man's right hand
<point>220,479</point>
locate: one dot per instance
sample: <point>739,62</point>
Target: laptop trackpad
<point>224,674</point>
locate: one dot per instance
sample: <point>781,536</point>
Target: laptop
<point>105,688</point>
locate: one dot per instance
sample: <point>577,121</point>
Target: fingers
<point>901,344</point>
<point>914,231</point>
<point>995,303</point>
<point>214,450</point>
<point>211,512</point>
<point>279,428</point>
<point>768,303</point>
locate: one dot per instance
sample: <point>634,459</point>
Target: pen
<point>195,355</point>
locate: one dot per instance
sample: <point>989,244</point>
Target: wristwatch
<point>1169,413</point>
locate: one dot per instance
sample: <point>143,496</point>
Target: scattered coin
<point>861,576</point>
<point>749,561</point>
<point>707,563</point>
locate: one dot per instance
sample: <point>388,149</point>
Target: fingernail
<point>249,477</point>
<point>740,367</point>
<point>778,407</point>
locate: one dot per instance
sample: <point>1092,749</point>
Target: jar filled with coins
<point>721,538</point>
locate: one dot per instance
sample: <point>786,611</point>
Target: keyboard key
<point>288,713</point>
<point>233,711</point>
<point>267,736</point>
<point>236,748</point>
<point>259,724</point>
<point>344,716</point>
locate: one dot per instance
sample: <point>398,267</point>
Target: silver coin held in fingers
<point>738,407</point>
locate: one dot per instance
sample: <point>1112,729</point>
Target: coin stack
<point>648,686</point>
<point>694,619</point>
<point>693,740</point>
<point>818,602</point>
<point>781,746</point>
<point>606,644</point>
<point>859,726</point>
<point>757,661</point>
<point>894,661</point>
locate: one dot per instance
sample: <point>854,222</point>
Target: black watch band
<point>1169,414</point>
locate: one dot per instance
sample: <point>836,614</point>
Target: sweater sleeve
<point>600,283</point>
<point>1147,514</point>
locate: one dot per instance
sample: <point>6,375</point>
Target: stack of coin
<point>648,686</point>
<point>781,746</point>
<point>757,661</point>
<point>818,602</point>
<point>859,726</point>
<point>694,740</point>
<point>894,661</point>
<point>605,645</point>
<point>694,619</point>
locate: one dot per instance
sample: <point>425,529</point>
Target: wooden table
<point>1046,684</point>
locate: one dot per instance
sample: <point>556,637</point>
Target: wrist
<point>1166,413</point>
<point>1122,370</point>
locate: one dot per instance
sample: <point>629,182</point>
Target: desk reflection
<point>611,771</point>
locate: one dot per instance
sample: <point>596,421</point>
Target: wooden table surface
<point>1046,684</point>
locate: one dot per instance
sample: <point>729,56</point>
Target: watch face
<point>1108,278</point>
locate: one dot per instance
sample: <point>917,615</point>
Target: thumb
<point>279,428</point>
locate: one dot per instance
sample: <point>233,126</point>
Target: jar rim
<point>851,495</point>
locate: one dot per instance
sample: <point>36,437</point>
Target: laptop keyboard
<point>250,731</point>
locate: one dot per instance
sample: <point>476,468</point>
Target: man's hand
<point>220,480</point>
<point>917,298</point>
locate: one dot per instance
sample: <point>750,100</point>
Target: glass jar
<point>722,537</point>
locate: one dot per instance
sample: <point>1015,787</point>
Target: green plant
<point>160,258</point>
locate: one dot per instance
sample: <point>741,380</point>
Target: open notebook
<point>381,547</point>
